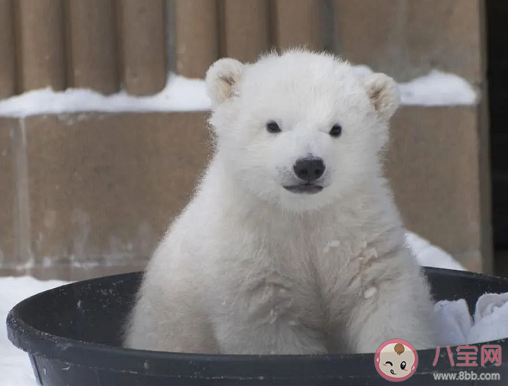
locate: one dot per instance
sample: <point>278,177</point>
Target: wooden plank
<point>297,23</point>
<point>92,45</point>
<point>7,53</point>
<point>414,37</point>
<point>245,28</point>
<point>142,37</point>
<point>196,36</point>
<point>40,44</point>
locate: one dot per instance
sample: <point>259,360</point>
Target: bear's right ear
<point>222,79</point>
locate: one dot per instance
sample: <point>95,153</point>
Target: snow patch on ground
<point>15,368</point>
<point>182,94</point>
<point>429,255</point>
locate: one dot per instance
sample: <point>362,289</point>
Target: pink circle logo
<point>396,360</point>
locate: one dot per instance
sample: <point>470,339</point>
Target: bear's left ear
<point>383,93</point>
<point>222,79</point>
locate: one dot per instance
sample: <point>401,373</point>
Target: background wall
<point>90,194</point>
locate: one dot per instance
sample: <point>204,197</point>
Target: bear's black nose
<point>309,169</point>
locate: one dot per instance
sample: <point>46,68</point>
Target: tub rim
<point>215,366</point>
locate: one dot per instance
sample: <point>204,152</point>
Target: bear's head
<point>299,129</point>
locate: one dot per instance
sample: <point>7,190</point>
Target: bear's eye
<point>336,131</point>
<point>273,127</point>
<point>403,365</point>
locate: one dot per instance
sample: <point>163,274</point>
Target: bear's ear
<point>383,93</point>
<point>222,79</point>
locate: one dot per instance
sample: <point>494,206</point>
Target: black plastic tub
<point>72,335</point>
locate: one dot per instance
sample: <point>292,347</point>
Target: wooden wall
<point>104,45</point>
<point>108,45</point>
<point>206,30</point>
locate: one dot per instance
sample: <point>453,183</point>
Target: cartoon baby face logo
<point>396,360</point>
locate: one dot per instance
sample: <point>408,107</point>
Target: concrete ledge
<point>436,163</point>
<point>100,189</point>
<point>8,205</point>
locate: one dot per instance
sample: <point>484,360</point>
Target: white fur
<point>251,268</point>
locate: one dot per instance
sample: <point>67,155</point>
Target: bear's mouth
<point>304,188</point>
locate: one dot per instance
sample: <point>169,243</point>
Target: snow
<point>430,255</point>
<point>437,89</point>
<point>15,368</point>
<point>182,94</point>
<point>457,327</point>
<point>370,292</point>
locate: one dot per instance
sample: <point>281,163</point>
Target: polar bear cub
<point>292,243</point>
